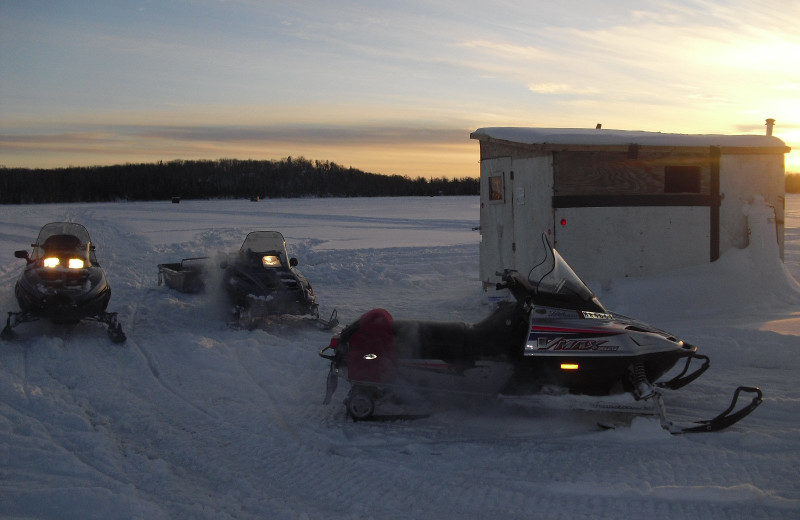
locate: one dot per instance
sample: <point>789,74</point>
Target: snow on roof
<point>604,137</point>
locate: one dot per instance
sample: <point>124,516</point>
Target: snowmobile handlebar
<point>519,286</point>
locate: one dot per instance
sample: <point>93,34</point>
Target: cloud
<point>400,135</point>
<point>402,148</point>
<point>562,88</point>
<point>508,51</point>
<point>130,136</point>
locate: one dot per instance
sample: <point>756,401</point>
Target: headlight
<point>270,261</point>
<point>75,263</point>
<point>72,263</point>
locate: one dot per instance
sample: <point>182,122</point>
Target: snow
<point>192,419</point>
<point>610,137</point>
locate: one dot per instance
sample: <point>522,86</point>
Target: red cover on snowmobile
<point>371,356</point>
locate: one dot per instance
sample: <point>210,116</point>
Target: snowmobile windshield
<point>559,286</point>
<point>267,248</point>
<point>63,242</point>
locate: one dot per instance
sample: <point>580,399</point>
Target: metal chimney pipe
<point>770,124</point>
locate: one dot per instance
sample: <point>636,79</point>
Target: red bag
<point>371,356</point>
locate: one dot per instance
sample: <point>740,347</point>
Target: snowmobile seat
<point>463,343</point>
<point>433,340</point>
<point>499,333</point>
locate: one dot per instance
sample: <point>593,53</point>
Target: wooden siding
<point>616,173</point>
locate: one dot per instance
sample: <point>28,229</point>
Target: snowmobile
<point>260,279</point>
<point>553,343</point>
<point>63,282</point>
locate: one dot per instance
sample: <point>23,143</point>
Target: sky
<point>385,87</point>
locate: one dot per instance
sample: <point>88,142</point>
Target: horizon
<point>412,177</point>
<point>377,87</point>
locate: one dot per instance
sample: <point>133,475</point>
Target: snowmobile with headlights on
<point>63,282</point>
<point>262,282</point>
<point>555,344</point>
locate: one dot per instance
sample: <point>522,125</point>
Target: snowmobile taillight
<point>569,366</point>
<point>334,344</point>
<point>563,222</point>
<point>270,261</point>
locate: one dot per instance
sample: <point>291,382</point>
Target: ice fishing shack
<point>619,203</point>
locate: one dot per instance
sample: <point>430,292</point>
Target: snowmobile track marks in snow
<point>268,400</point>
<point>153,366</point>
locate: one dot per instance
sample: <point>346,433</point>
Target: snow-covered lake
<point>192,419</point>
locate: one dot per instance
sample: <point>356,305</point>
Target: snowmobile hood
<point>606,334</point>
<point>265,281</point>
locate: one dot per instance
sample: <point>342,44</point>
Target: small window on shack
<point>496,188</point>
<point>681,179</point>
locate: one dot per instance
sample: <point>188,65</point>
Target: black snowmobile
<point>63,282</point>
<point>260,279</point>
<point>555,344</point>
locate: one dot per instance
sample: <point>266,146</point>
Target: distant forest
<point>226,178</point>
<point>223,178</point>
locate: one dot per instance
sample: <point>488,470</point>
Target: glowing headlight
<point>75,263</point>
<point>270,261</point>
<point>569,366</point>
<point>72,263</point>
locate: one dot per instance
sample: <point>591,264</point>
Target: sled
<point>185,276</point>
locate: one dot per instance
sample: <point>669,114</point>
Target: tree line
<point>222,178</point>
<point>225,178</point>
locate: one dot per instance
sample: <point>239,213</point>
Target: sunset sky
<point>386,87</point>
